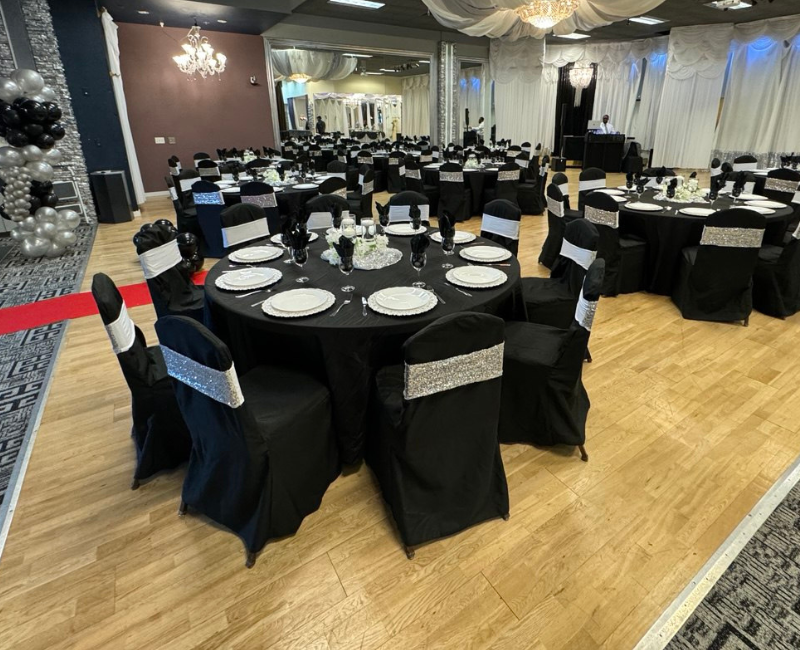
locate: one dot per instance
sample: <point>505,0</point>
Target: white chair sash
<point>585,312</point>
<point>174,171</point>
<point>585,186</point>
<point>423,379</point>
<point>715,171</point>
<point>526,149</point>
<point>796,233</point>
<point>262,200</point>
<point>745,167</point>
<point>173,193</point>
<point>122,332</point>
<point>320,220</point>
<point>220,385</point>
<point>342,175</point>
<point>435,155</point>
<point>602,217</point>
<point>186,184</point>
<point>780,185</point>
<point>227,177</point>
<point>522,163</point>
<point>367,188</point>
<point>796,199</point>
<point>157,260</point>
<point>208,171</point>
<point>556,207</point>
<point>749,187</point>
<point>425,159</point>
<point>564,187</point>
<point>583,257</point>
<point>500,226</point>
<point>399,213</point>
<point>451,177</point>
<point>249,231</point>
<point>402,170</point>
<point>732,237</point>
<point>208,198</point>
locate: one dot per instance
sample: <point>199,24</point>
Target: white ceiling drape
<point>320,66</point>
<point>497,18</point>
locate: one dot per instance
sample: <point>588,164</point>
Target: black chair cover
<point>338,167</point>
<point>399,206</point>
<point>558,216</point>
<point>264,455</point>
<point>544,400</point>
<point>589,180</point>
<point>209,204</point>
<point>552,301</point>
<point>337,186</point>
<point>263,195</point>
<point>396,172</point>
<point>454,196</point>
<point>776,281</point>
<point>716,278</point>
<point>633,163</point>
<point>325,203</point>
<point>433,441</point>
<point>208,171</point>
<point>508,184</point>
<point>501,222</point>
<point>746,162</point>
<point>172,290</point>
<point>361,201</point>
<point>561,180</point>
<point>783,185</point>
<point>414,183</point>
<point>159,433</point>
<point>240,214</point>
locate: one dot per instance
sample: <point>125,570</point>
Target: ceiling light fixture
<point>143,12</point>
<point>375,73</point>
<point>545,14</point>
<point>358,56</point>
<point>198,56</point>
<point>361,4</point>
<point>299,77</point>
<point>219,20</point>
<point>581,75</point>
<point>574,36</point>
<point>647,20</point>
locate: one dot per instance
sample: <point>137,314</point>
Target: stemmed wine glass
<point>448,248</point>
<point>300,257</point>
<point>736,192</point>
<point>346,267</point>
<point>418,261</point>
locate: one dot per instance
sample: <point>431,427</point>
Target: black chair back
<point>396,172</point>
<point>453,193</point>
<point>209,171</point>
<point>561,180</point>
<point>501,223</point>
<point>589,180</point>
<point>243,224</point>
<point>336,186</point>
<point>413,177</point>
<point>209,204</point>
<point>320,210</point>
<point>263,195</point>
<point>602,210</point>
<point>508,182</point>
<point>401,202</point>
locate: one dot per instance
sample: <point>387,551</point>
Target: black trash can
<point>111,197</point>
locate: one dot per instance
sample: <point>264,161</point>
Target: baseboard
<point>153,195</point>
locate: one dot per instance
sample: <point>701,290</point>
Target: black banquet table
<point>344,351</point>
<point>476,180</point>
<point>667,233</point>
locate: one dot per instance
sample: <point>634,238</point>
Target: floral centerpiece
<point>689,192</point>
<point>472,163</point>
<point>272,176</point>
<point>369,254</point>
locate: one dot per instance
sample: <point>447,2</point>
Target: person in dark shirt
<point>320,125</point>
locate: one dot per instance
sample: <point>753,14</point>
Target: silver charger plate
<point>476,277</point>
<point>276,239</point>
<point>404,230</point>
<point>376,306</point>
<point>475,254</point>
<point>325,300</point>
<point>270,277</point>
<point>462,237</point>
<point>255,254</point>
<point>644,207</point>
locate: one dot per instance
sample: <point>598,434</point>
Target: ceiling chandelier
<point>580,76</point>
<point>544,14</point>
<point>299,77</point>
<point>199,57</point>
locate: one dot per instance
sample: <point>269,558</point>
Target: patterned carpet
<point>27,357</point>
<point>755,605</point>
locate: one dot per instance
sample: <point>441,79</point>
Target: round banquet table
<point>476,180</point>
<point>667,233</point>
<point>345,351</point>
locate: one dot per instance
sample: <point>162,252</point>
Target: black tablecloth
<point>344,351</point>
<point>476,181</point>
<point>667,233</point>
<point>289,199</point>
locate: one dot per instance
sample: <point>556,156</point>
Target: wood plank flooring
<point>690,425</point>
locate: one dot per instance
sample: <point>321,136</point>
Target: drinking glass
<point>346,267</point>
<point>418,261</point>
<point>448,248</point>
<point>286,243</point>
<point>736,192</point>
<point>416,221</point>
<point>300,257</point>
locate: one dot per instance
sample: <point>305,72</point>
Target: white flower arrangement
<point>472,163</point>
<point>363,248</point>
<point>689,192</point>
<point>272,176</point>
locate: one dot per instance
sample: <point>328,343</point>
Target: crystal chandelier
<point>299,77</point>
<point>199,57</point>
<point>544,14</point>
<point>581,75</point>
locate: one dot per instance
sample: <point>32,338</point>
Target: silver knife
<point>363,306</point>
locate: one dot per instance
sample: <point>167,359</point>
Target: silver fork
<point>468,295</point>
<point>252,293</point>
<point>346,302</point>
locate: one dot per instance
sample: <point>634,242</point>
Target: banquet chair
<point>783,185</point>
<point>551,301</point>
<point>175,198</point>
<point>241,224</point>
<point>454,195</point>
<point>530,190</point>
<point>632,162</point>
<point>209,171</point>
<point>396,171</point>
<point>560,179</point>
<point>400,203</point>
<point>716,278</point>
<point>209,204</point>
<point>174,166</point>
<point>715,170</point>
<point>732,177</point>
<point>425,158</point>
<point>528,171</point>
<point>507,185</point>
<point>544,401</point>
<point>776,280</point>
<point>436,153</point>
<point>500,224</point>
<point>558,216</point>
<point>589,180</point>
<point>159,433</point>
<point>200,156</point>
<point>745,163</point>
<point>334,185</point>
<point>625,258</point>
<point>263,453</point>
<point>320,210</point>
<point>432,441</point>
<point>257,164</point>
<point>170,286</point>
<point>263,195</point>
<point>526,147</point>
<point>512,153</point>
<point>361,201</point>
<point>315,154</point>
<point>415,183</point>
<point>338,169</point>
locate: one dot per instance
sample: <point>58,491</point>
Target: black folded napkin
<point>383,213</point>
<point>299,236</point>
<point>693,175</point>
<point>738,183</point>
<point>344,248</point>
<point>420,243</point>
<point>446,228</point>
<point>336,215</point>
<point>416,216</point>
<point>673,185</point>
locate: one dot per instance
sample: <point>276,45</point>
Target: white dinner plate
<point>276,239</point>
<point>612,192</point>
<point>759,209</point>
<point>232,190</point>
<point>766,204</point>
<point>624,188</point>
<point>255,254</point>
<point>697,212</point>
<point>402,298</point>
<point>476,277</point>
<point>248,279</point>
<point>305,186</point>
<point>485,254</point>
<point>404,229</point>
<point>461,237</point>
<point>644,207</point>
<point>296,303</point>
<point>752,197</point>
<point>619,199</point>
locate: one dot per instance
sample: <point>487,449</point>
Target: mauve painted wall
<point>205,114</point>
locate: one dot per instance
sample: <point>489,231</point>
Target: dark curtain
<point>571,119</point>
<point>281,112</point>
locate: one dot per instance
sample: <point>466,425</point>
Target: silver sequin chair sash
<point>585,312</point>
<point>220,385</point>
<point>422,379</point>
<point>414,174</point>
<point>602,217</point>
<point>510,175</point>
<point>262,200</point>
<point>451,177</point>
<point>732,237</point>
<point>780,185</point>
<point>208,198</point>
<point>556,207</point>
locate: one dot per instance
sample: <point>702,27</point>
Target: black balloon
<point>34,111</point>
<point>53,111</point>
<point>45,141</point>
<point>57,131</point>
<point>36,203</point>
<point>49,200</point>
<point>197,261</point>
<point>17,138</point>
<point>11,117</point>
<point>46,187</point>
<point>166,223</point>
<point>33,130</point>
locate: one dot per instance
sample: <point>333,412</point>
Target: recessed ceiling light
<point>424,61</point>
<point>222,21</point>
<point>361,4</point>
<point>387,70</point>
<point>574,36</point>
<point>143,12</point>
<point>376,73</point>
<point>647,20</point>
<point>358,56</point>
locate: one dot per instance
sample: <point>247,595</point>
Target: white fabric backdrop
<point>319,66</point>
<point>690,100</point>
<point>334,112</point>
<point>615,94</point>
<point>470,95</point>
<point>497,18</point>
<point>416,105</point>
<point>646,112</point>
<point>112,48</point>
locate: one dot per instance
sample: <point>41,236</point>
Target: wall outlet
<point>160,140</point>
<point>172,140</point>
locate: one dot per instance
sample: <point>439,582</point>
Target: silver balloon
<point>30,82</point>
<point>65,238</point>
<point>49,94</point>
<point>46,214</point>
<point>9,90</point>
<point>28,224</point>
<point>34,247</point>
<point>55,250</point>
<point>38,97</point>
<point>11,157</point>
<point>22,204</point>
<point>40,171</point>
<point>53,157</point>
<point>69,217</point>
<point>45,230</point>
<point>32,153</point>
<point>18,235</point>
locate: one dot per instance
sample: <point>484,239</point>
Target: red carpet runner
<point>74,305</point>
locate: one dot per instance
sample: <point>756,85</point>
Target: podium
<point>604,151</point>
